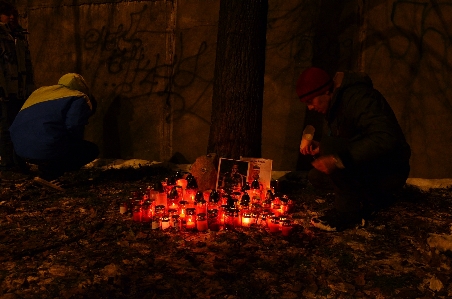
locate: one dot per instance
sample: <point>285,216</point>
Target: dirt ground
<point>76,244</point>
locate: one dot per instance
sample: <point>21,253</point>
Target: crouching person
<point>364,156</point>
<point>49,129</point>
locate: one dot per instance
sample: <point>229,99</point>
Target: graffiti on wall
<point>305,39</point>
<point>133,61</point>
<point>407,54</point>
<point>422,43</point>
<point>414,52</point>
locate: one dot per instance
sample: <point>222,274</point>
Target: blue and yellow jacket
<point>52,119</point>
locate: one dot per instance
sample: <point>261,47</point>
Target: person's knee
<point>319,180</point>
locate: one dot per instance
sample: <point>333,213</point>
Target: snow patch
<point>423,184</point>
<point>120,163</point>
<point>427,184</point>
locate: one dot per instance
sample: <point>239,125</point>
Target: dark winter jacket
<point>52,119</point>
<point>364,131</point>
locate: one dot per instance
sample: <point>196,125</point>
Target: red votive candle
<point>123,207</point>
<point>286,228</point>
<point>255,195</point>
<point>190,195</point>
<point>273,224</point>
<point>190,219</point>
<point>246,219</point>
<point>262,219</point>
<point>146,215</point>
<point>159,210</point>
<point>164,222</point>
<point>162,199</point>
<point>155,222</point>
<point>182,183</point>
<point>173,207</point>
<point>229,220</point>
<point>237,218</point>
<point>201,222</point>
<point>201,207</point>
<point>175,222</point>
<point>213,220</point>
<point>190,223</point>
<point>137,213</point>
<point>276,208</point>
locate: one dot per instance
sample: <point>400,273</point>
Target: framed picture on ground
<point>259,169</point>
<point>232,174</point>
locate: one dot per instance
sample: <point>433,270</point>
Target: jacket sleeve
<point>377,130</point>
<point>77,117</point>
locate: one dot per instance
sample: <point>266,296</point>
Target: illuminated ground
<point>77,245</point>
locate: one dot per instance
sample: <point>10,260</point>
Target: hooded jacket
<point>360,116</point>
<point>52,119</point>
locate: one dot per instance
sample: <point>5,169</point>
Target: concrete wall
<point>409,56</point>
<point>150,65</point>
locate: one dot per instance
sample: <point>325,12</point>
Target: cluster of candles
<point>177,204</point>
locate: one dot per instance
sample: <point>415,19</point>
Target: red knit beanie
<point>312,83</point>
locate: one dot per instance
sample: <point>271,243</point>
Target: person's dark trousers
<point>360,189</point>
<point>358,192</point>
<point>80,153</point>
<point>8,111</point>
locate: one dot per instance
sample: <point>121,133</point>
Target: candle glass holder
<point>164,222</point>
<point>286,228</point>
<point>222,214</point>
<point>153,195</point>
<point>155,224</point>
<point>269,195</point>
<point>287,202</point>
<point>147,211</point>
<point>173,194</point>
<point>201,206</point>
<point>274,185</point>
<point>267,205</point>
<point>123,207</point>
<point>237,218</point>
<point>182,182</point>
<point>246,219</point>
<point>255,195</point>
<point>254,218</point>
<point>190,195</point>
<point>175,222</point>
<point>282,218</point>
<point>214,197</point>
<point>137,213</point>
<point>245,200</point>
<point>162,199</point>
<point>273,224</point>
<point>212,206</point>
<point>183,208</point>
<point>256,208</point>
<point>190,219</point>
<point>159,210</point>
<point>264,218</point>
<point>201,222</point>
<point>199,196</point>
<point>284,208</point>
<point>246,187</point>
<point>191,182</point>
<point>229,219</point>
<point>213,220</point>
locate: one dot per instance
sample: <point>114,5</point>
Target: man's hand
<point>325,164</point>
<point>311,149</point>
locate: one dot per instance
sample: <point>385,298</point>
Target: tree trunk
<point>236,126</point>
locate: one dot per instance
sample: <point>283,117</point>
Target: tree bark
<point>236,124</point>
